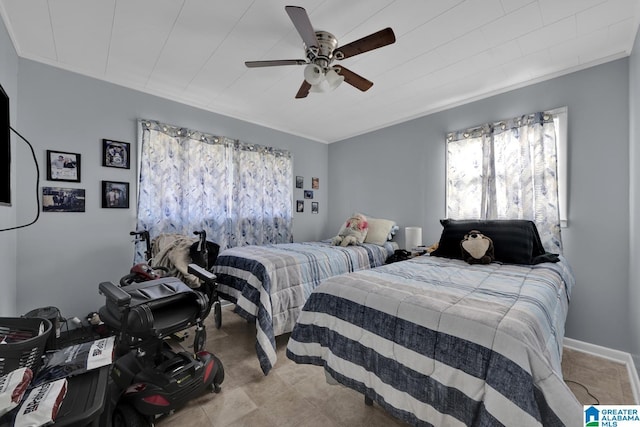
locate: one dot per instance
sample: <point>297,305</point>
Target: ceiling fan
<point>321,49</point>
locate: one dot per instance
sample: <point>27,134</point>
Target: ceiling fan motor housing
<point>323,55</point>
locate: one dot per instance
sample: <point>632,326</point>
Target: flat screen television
<point>5,150</point>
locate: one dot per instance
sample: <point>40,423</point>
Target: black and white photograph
<point>299,205</point>
<point>299,182</point>
<point>57,199</point>
<point>115,154</point>
<point>63,166</point>
<point>314,207</point>
<point>308,194</point>
<point>115,194</point>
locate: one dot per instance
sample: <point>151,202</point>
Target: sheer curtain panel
<point>240,194</point>
<point>506,170</point>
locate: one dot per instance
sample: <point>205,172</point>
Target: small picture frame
<point>315,183</point>
<point>299,205</point>
<point>314,207</point>
<point>63,166</point>
<point>58,199</point>
<point>115,195</point>
<point>308,194</point>
<point>116,154</point>
<point>299,182</point>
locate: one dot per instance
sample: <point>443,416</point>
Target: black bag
<point>398,255</point>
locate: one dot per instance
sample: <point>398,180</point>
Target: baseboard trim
<point>613,355</point>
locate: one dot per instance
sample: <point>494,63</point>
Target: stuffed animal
<point>352,232</point>
<point>477,248</point>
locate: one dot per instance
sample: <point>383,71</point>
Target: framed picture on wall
<point>308,194</point>
<point>299,205</point>
<point>58,199</point>
<point>299,181</point>
<point>314,207</point>
<point>116,154</point>
<point>315,183</point>
<point>62,166</point>
<point>115,194</point>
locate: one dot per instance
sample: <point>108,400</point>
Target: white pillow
<point>379,230</point>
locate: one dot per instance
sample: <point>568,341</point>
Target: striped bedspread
<point>438,342</point>
<point>270,283</point>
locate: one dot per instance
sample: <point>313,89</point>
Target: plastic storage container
<point>53,315</point>
<point>22,342</point>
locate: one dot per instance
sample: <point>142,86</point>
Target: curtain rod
<point>208,138</point>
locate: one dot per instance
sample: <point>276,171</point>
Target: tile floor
<point>606,382</point>
<point>298,395</point>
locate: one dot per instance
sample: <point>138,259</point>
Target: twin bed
<point>433,340</point>
<point>270,284</point>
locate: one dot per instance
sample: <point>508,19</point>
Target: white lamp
<point>321,81</point>
<point>313,74</point>
<point>321,87</point>
<point>412,237</point>
<point>333,78</point>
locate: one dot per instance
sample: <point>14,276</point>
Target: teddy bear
<point>352,232</point>
<point>477,248</point>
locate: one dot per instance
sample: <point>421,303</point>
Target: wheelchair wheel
<point>217,313</point>
<point>125,415</point>
<point>199,340</point>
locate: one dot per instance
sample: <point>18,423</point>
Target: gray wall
<point>9,81</point>
<point>634,198</point>
<point>401,175</point>
<point>62,258</point>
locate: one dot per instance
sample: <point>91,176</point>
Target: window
<point>511,169</point>
<point>238,193</point>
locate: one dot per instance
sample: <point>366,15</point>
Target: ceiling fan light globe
<point>313,74</point>
<point>333,79</point>
<point>321,87</point>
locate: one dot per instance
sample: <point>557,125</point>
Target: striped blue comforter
<point>271,283</point>
<point>439,342</point>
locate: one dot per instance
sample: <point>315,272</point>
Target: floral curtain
<point>240,194</point>
<point>506,170</point>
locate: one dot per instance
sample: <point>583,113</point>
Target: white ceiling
<point>447,52</point>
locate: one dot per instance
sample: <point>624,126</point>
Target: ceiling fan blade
<point>275,62</point>
<point>302,23</point>
<point>354,79</point>
<point>304,90</point>
<point>365,44</point>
